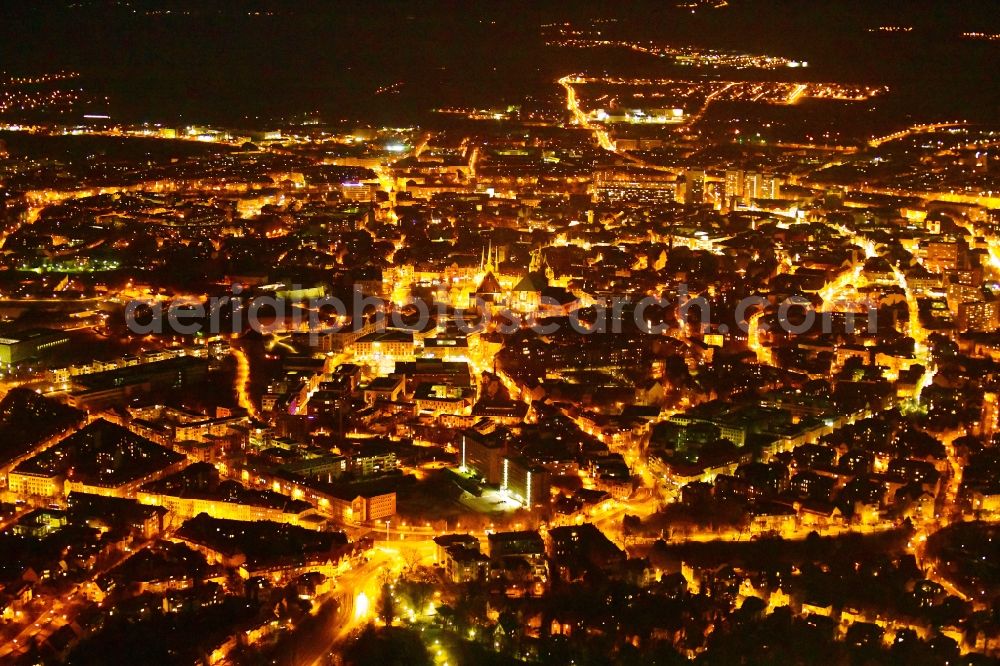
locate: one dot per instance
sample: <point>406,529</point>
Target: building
<point>33,483</point>
<point>434,371</point>
<point>101,459</point>
<point>643,116</point>
<point>30,344</point>
<point>525,544</point>
<point>358,191</point>
<point>373,458</point>
<point>198,489</point>
<point>443,399</point>
<point>209,438</point>
<point>733,187</point>
<point>517,559</point>
<point>445,541</point>
<point>634,185</point>
<point>329,406</point>
<point>525,481</point>
<point>262,548</point>
<point>577,548</point>
<point>761,186</point>
<point>331,466</point>
<point>942,255</point>
<point>741,187</point>
<point>371,506</point>
<point>990,418</point>
<point>447,347</point>
<point>483,455</point>
<point>384,389</point>
<point>461,558</point>
<point>103,389</point>
<point>462,565</point>
<point>694,187</point>
<point>389,345</point>
<point>116,512</point>
<point>979,315</point>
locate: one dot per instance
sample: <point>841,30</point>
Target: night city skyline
<point>447,333</point>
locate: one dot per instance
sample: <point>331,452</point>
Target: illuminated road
<point>242,382</point>
<point>919,334</point>
<point>473,159</point>
<point>46,623</point>
<point>421,145</point>
<point>699,114</point>
<point>579,117</point>
<point>993,247</point>
<point>385,180</point>
<point>914,129</point>
<point>58,612</point>
<point>754,343</point>
<point>358,591</point>
<point>841,291</point>
<point>796,94</point>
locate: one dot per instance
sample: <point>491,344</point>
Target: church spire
<point>490,266</point>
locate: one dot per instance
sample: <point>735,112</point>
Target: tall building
<point>758,185</point>
<point>942,255</point>
<point>733,187</point>
<point>958,293</point>
<point>714,192</point>
<point>358,191</point>
<point>990,418</point>
<point>694,187</point>
<point>979,315</point>
<point>527,482</point>
<point>634,185</point>
<point>484,455</point>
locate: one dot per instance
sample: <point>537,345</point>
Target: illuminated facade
<point>31,484</point>
<point>989,421</point>
<point>526,482</point>
<point>29,344</point>
<point>483,455</point>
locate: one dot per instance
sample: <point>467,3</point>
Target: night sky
<point>222,62</point>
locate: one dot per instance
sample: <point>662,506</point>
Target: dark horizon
<point>219,63</point>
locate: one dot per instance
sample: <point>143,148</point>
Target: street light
<point>387,523</point>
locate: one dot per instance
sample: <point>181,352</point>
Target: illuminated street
<point>657,332</point>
